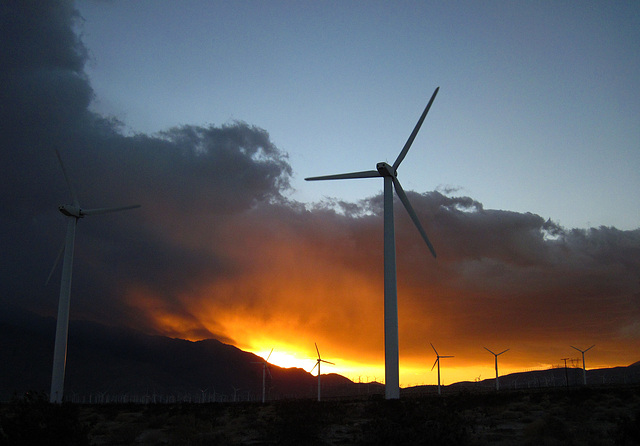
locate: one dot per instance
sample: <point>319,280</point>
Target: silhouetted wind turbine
<point>265,369</point>
<point>203,391</point>
<point>390,176</point>
<point>318,361</point>
<point>438,363</point>
<point>496,355</point>
<point>584,369</point>
<point>74,212</point>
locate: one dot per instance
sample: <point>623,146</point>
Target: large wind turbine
<point>584,369</point>
<point>318,361</point>
<point>438,363</point>
<point>390,176</point>
<point>74,212</point>
<point>496,355</point>
<point>265,369</point>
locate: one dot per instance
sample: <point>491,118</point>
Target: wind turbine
<point>74,212</point>
<point>235,393</point>
<point>584,369</point>
<point>204,391</point>
<point>496,355</point>
<point>265,369</point>
<point>318,361</point>
<point>438,362</point>
<point>390,176</point>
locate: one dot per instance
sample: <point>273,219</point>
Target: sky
<point>211,114</point>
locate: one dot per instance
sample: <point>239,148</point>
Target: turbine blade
<point>74,197</point>
<point>576,348</point>
<point>314,367</point>
<point>267,360</point>
<point>590,348</point>
<point>412,213</point>
<point>55,264</point>
<point>108,210</point>
<point>347,176</point>
<point>317,350</point>
<point>489,350</point>
<point>434,349</point>
<point>434,364</point>
<point>328,362</point>
<point>407,145</point>
<point>269,371</point>
<point>503,352</point>
<point>447,356</point>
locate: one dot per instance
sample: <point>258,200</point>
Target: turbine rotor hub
<point>386,170</point>
<point>71,211</point>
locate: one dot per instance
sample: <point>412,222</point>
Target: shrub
<point>32,420</point>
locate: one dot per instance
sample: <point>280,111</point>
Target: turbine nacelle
<point>386,170</point>
<point>71,211</point>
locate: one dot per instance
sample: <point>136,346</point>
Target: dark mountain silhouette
<point>536,379</point>
<point>119,361</point>
<point>119,364</point>
<point>559,376</point>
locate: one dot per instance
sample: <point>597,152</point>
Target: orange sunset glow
<point>318,278</point>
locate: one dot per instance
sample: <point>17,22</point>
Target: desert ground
<point>569,416</point>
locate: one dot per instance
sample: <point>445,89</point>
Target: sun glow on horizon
<point>284,359</point>
<point>410,374</point>
<point>357,354</point>
<point>291,357</point>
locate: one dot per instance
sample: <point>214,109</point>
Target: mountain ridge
<point>122,361</point>
<point>105,359</point>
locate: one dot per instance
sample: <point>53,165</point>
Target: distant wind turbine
<point>496,355</point>
<point>390,176</point>
<point>235,393</point>
<point>438,363</point>
<point>265,369</point>
<point>204,392</point>
<point>318,361</point>
<point>74,212</point>
<point>584,369</point>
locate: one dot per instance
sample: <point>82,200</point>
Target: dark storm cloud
<point>509,275</point>
<point>43,90</point>
<point>42,61</point>
<point>187,178</point>
<point>231,167</point>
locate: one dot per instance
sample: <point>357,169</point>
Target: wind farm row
<point>319,360</point>
<point>272,387</point>
<point>115,365</point>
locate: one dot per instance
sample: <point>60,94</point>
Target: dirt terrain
<point>576,416</point>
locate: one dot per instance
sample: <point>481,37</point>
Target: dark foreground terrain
<point>577,416</point>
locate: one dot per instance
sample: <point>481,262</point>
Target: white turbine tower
<point>318,361</point>
<point>74,212</point>
<point>584,369</point>
<point>438,363</point>
<point>390,176</point>
<point>496,355</point>
<point>265,369</point>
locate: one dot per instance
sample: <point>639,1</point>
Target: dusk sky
<point>210,115</point>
